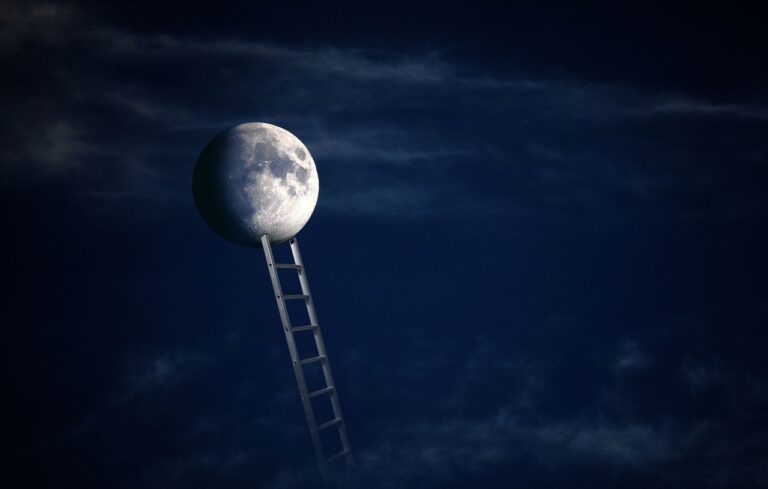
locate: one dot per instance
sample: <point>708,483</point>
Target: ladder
<point>298,363</point>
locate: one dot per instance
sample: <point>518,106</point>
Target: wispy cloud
<point>54,148</point>
<point>357,64</point>
<point>444,451</point>
<point>214,464</point>
<point>694,108</point>
<point>381,148</point>
<point>147,381</point>
<point>401,200</point>
<point>630,359</point>
<point>142,134</point>
<point>153,375</point>
<point>20,21</point>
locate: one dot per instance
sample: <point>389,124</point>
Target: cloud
<point>630,359</point>
<point>375,147</point>
<point>401,200</point>
<point>145,108</point>
<point>152,375</point>
<point>147,384</point>
<point>634,444</point>
<point>440,452</point>
<point>356,64</point>
<point>57,147</point>
<point>701,377</point>
<point>697,108</point>
<point>213,465</point>
<point>368,117</point>
<point>460,441</point>
<point>22,21</point>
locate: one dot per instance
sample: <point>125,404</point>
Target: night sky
<point>538,255</point>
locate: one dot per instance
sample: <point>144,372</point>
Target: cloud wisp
<point>366,115</point>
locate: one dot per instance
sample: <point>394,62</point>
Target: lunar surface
<point>255,179</point>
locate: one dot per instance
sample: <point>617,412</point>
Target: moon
<point>255,179</point>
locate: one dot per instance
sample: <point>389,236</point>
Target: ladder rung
<point>328,424</point>
<point>312,360</point>
<point>288,265</point>
<point>322,391</point>
<point>292,297</point>
<point>342,453</point>
<point>304,328</point>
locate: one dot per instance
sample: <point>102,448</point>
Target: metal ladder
<point>299,363</point>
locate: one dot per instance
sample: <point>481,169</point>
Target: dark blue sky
<point>538,254</point>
